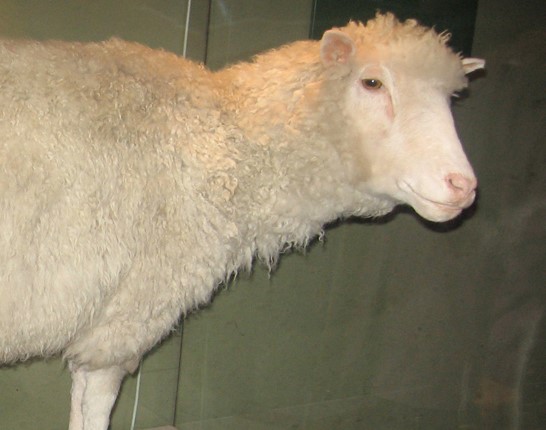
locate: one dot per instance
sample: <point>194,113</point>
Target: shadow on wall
<point>511,382</point>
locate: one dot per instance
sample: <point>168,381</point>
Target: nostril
<point>460,184</point>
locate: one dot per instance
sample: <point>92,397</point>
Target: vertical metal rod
<point>186,30</point>
<point>179,373</point>
<point>137,397</point>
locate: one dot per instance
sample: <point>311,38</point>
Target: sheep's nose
<point>462,188</point>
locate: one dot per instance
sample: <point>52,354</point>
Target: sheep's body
<point>117,209</point>
<point>133,182</point>
<point>102,205</point>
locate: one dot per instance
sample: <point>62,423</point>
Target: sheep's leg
<point>93,395</point>
<point>78,388</point>
<point>99,397</point>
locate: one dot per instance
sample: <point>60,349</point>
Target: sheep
<point>134,182</point>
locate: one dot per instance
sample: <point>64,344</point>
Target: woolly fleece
<point>134,182</point>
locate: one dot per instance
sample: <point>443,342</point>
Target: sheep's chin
<point>433,210</point>
<point>436,212</point>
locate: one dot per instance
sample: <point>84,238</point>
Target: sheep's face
<point>401,129</point>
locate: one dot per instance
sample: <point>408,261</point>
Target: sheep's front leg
<point>78,387</point>
<point>94,393</point>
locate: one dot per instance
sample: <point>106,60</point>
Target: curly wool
<point>418,50</point>
<point>133,182</point>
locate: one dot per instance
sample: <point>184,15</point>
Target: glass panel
<point>398,325</point>
<point>242,28</point>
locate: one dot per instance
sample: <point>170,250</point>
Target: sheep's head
<point>397,82</point>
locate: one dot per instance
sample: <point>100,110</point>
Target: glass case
<point>391,324</point>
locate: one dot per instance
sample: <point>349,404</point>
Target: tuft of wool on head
<point>419,51</point>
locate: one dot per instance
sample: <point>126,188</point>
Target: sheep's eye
<point>372,84</point>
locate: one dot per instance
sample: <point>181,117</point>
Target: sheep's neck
<point>298,184</point>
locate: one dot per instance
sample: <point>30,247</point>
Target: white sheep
<point>133,182</point>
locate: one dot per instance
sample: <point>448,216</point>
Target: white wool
<point>133,182</point>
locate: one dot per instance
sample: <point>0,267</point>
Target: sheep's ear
<point>471,64</point>
<point>336,48</point>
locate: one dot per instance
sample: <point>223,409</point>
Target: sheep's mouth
<point>443,205</point>
<point>432,209</point>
